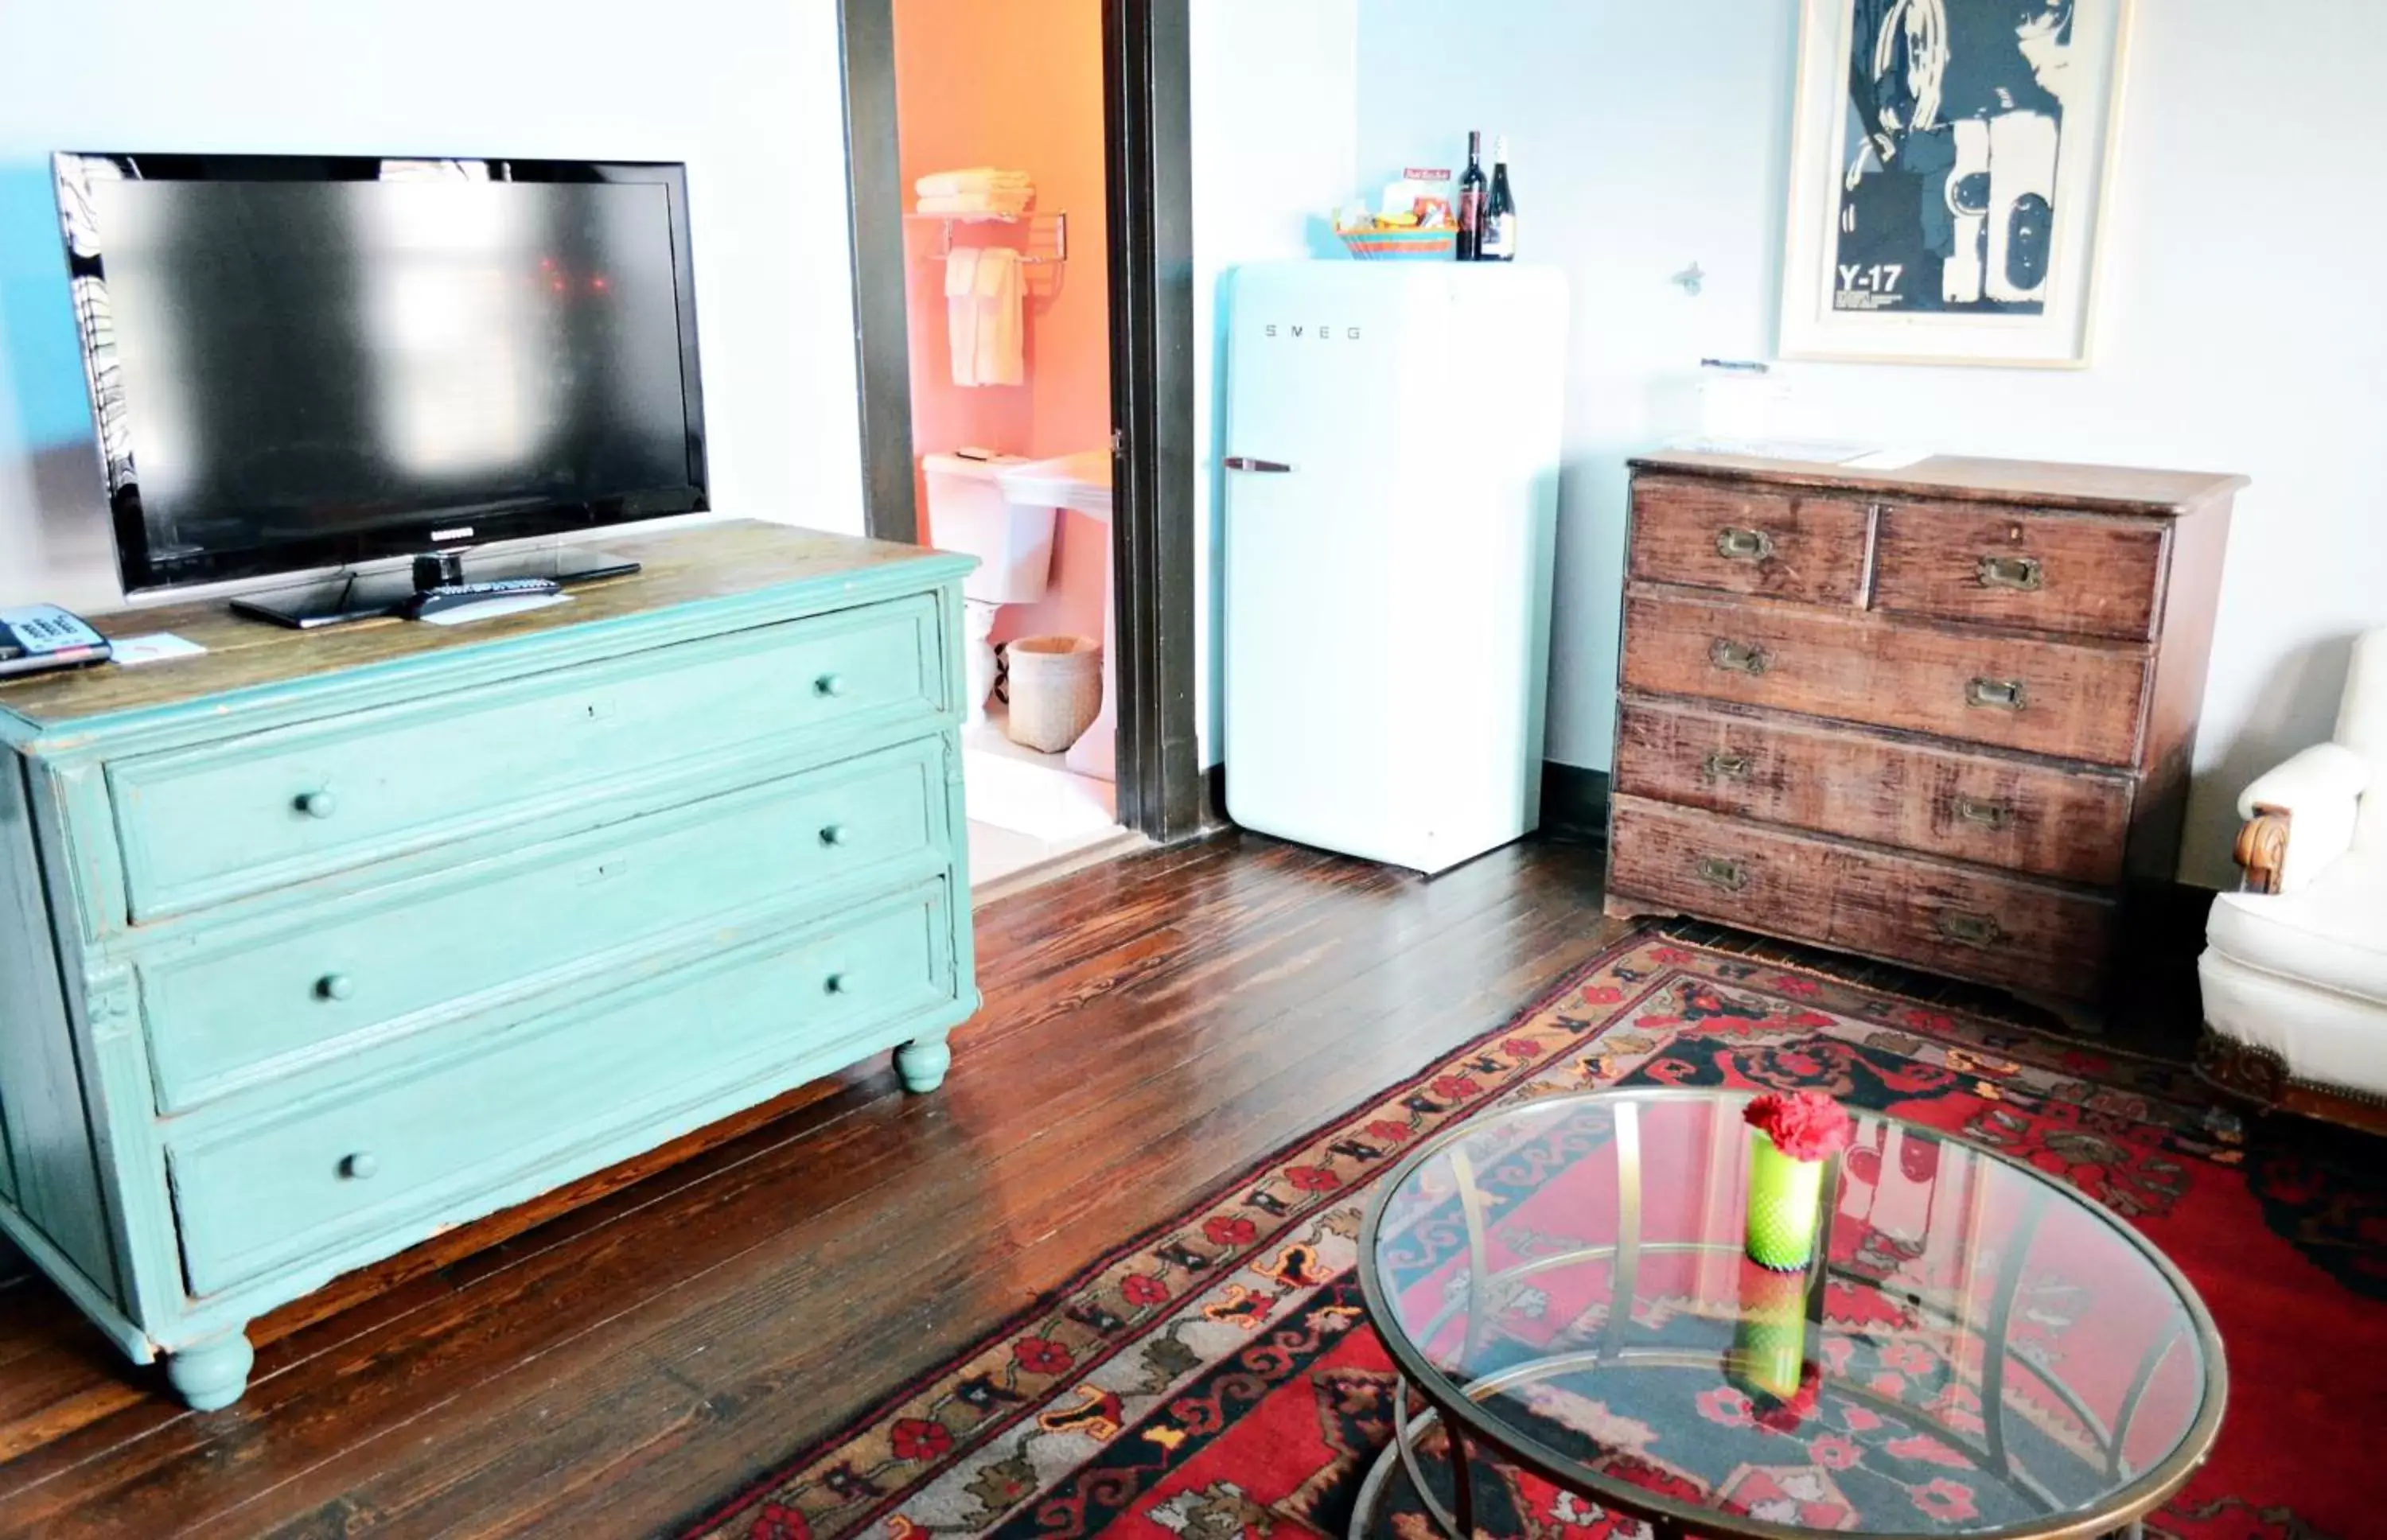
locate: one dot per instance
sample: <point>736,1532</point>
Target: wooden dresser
<point>1940,717</point>
<point>325,942</point>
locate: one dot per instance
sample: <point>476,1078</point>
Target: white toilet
<point>968,514</point>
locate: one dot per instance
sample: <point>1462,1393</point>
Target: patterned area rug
<point>1218,1377</point>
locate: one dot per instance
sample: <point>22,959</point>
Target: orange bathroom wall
<point>1016,85</point>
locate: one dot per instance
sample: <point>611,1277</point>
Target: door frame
<point>1148,130</point>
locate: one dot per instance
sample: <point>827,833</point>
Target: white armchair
<point>2295,971</point>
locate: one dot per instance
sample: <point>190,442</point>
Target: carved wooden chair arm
<point>2262,849</point>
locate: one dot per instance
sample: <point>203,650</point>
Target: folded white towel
<point>1002,332</point>
<point>977,179</point>
<point>961,313</point>
<point>1008,203</point>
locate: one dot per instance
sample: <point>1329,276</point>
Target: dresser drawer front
<point>1748,539</point>
<point>2002,567</point>
<point>1907,909</point>
<point>549,1095</point>
<point>2076,701</point>
<point>2037,819</point>
<point>203,825</point>
<point>378,966</point>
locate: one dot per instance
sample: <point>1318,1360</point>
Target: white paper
<point>493,609</point>
<point>158,646</point>
<point>1803,451</point>
<point>1889,460</point>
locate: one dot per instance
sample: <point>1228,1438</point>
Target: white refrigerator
<point>1390,456</point>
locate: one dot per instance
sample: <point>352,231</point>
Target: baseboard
<point>1574,803</point>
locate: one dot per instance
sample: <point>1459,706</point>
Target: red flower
<point>1833,1452</point>
<point>1388,1131</point>
<point>1673,955</point>
<point>778,1521</point>
<point>1727,1406</point>
<point>1946,1499</point>
<point>1804,1125</point>
<point>1141,1288</point>
<point>1813,1020</point>
<point>1521,1048</point>
<point>1924,1449</point>
<point>1042,1355</point>
<point>1908,1357</point>
<point>1313,1179</point>
<point>1791,983</point>
<point>1456,1088</point>
<point>1230,1230</point>
<point>917,1438</point>
<point>1859,1419</point>
<point>1603,994</point>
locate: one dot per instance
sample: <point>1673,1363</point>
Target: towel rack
<point>1045,230</point>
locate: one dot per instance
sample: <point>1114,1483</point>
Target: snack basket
<point>1401,245</point>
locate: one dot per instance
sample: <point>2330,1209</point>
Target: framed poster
<point>1948,178</point>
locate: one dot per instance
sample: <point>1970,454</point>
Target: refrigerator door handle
<point>1243,462</point>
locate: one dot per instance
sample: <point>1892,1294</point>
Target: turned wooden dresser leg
<point>923,1063</point>
<point>212,1375</point>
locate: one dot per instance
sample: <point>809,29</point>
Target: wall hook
<point>1692,279</point>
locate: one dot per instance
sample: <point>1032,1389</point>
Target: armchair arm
<point>2300,817</point>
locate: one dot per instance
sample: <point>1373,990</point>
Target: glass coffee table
<point>1975,1349</point>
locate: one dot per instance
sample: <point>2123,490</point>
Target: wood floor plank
<point>1152,1026</point>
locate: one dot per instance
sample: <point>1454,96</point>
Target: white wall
<point>747,92</point>
<point>2242,324</point>
<point>1276,107</point>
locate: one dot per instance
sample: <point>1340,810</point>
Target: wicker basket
<point>1057,691</point>
<point>1401,245</point>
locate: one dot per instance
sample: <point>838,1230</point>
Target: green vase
<point>1784,1199</point>
<point>1769,1340</point>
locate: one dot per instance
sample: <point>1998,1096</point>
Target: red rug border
<point>1042,1303</point>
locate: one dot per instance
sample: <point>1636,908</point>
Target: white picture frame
<point>2017,141</point>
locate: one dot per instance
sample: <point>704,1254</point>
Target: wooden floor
<point>1151,1027</point>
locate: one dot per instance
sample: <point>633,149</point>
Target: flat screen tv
<point>300,362</point>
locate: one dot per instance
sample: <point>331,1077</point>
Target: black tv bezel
<point>87,271</point>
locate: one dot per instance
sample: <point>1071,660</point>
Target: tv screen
<point>298,362</point>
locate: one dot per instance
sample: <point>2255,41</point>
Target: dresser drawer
<point>203,825</point>
<point>1748,539</point>
<point>257,1003</point>
<point>553,1097</point>
<point>1950,919</point>
<point>2099,576</point>
<point>2039,819</point>
<point>2074,699</point>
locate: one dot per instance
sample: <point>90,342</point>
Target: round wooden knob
<point>360,1166</point>
<point>830,685</point>
<point>834,834</point>
<point>335,986</point>
<point>319,804</point>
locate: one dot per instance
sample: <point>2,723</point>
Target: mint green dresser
<point>325,942</point>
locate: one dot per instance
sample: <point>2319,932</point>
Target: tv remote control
<point>454,596</point>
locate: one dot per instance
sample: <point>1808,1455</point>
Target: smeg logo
<point>1324,334</point>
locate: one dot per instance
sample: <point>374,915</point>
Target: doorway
<point>1057,137</point>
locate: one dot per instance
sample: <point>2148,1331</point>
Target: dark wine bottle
<point>1496,240</point>
<point>1470,200</point>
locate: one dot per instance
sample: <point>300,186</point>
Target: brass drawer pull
<point>1972,810</point>
<point>1718,872</point>
<point>1736,657</point>
<point>2003,694</point>
<point>1743,545</point>
<point>2011,572</point>
<point>1969,929</point>
<point>1728,767</point>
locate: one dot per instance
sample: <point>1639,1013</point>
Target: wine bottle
<point>1470,200</point>
<point>1497,238</point>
